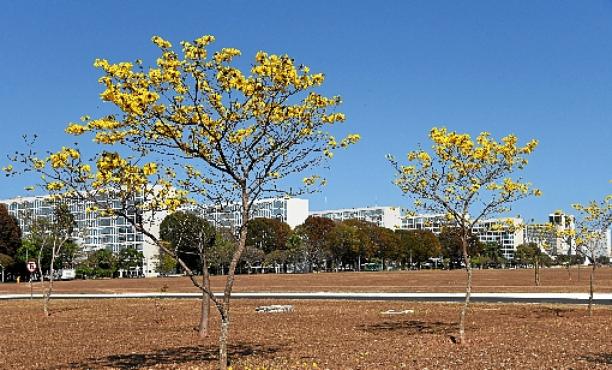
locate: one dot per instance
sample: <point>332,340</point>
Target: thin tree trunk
<point>229,284</point>
<point>537,271</point>
<point>591,288</point>
<point>205,309</point>
<point>223,339</point>
<point>47,291</point>
<point>468,289</point>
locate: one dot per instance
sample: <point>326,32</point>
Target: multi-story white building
<point>93,231</point>
<point>506,232</point>
<point>389,217</point>
<point>293,211</point>
<point>562,223</point>
<point>114,233</point>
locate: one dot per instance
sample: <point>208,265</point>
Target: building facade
<point>114,233</point>
<point>93,231</point>
<point>292,211</point>
<point>389,217</point>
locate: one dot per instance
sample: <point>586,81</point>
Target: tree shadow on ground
<point>177,355</point>
<point>598,358</point>
<point>412,327</point>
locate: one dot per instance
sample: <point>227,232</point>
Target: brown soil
<point>128,334</point>
<point>522,280</point>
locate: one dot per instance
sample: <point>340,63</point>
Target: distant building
<point>505,232</point>
<point>93,232</point>
<point>292,211</point>
<point>114,233</point>
<point>389,217</point>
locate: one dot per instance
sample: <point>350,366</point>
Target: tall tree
<point>363,245</point>
<point>268,234</point>
<point>452,246</point>
<point>315,232</point>
<point>10,233</point>
<point>418,245</point>
<point>466,180</point>
<point>50,235</point>
<point>595,218</point>
<point>191,237</point>
<point>203,125</point>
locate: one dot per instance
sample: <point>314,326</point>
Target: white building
<point>506,232</point>
<point>93,231</point>
<point>292,211</point>
<point>114,233</point>
<point>389,217</point>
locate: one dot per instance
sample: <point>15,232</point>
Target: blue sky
<point>538,69</point>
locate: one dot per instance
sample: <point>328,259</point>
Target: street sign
<point>31,266</point>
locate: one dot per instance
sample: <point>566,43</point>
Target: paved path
<point>572,298</point>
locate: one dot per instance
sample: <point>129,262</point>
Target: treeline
<point>321,244</point>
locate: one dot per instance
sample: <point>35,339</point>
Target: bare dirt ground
<point>520,280</point>
<point>159,334</point>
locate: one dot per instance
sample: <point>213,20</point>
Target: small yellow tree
<point>209,132</point>
<point>593,222</point>
<point>467,180</point>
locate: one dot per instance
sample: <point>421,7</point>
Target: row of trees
<point>193,127</point>
<point>319,244</point>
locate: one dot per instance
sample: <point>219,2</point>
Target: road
<point>567,298</point>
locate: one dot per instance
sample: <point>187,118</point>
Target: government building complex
<point>114,233</point>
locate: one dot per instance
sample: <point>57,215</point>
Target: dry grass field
<point>159,334</point>
<point>520,280</point>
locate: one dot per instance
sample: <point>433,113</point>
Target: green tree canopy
<point>268,234</point>
<point>421,245</point>
<point>10,233</point>
<point>189,235</point>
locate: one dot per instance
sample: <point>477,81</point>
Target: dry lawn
<point>522,280</point>
<point>130,334</point>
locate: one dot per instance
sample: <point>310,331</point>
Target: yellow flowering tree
<point>540,236</point>
<point>212,133</point>
<point>467,180</point>
<point>594,220</point>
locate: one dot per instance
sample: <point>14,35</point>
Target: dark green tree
<point>191,238</point>
<point>450,241</point>
<point>10,233</point>
<point>315,236</point>
<point>418,246</point>
<point>129,258</point>
<point>268,234</point>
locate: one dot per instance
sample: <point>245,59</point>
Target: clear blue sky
<point>539,69</point>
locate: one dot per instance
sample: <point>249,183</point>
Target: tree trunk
<point>591,288</point>
<point>468,289</point>
<point>47,291</point>
<point>537,271</point>
<point>229,284</point>
<point>205,309</point>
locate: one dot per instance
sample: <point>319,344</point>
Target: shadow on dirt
<point>178,355</point>
<point>412,327</point>
<point>598,358</point>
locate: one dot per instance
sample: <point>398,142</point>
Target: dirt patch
<point>130,334</point>
<point>521,280</point>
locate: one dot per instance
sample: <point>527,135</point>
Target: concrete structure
<point>562,222</point>
<point>506,232</point>
<point>93,232</point>
<point>293,211</point>
<point>389,217</point>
